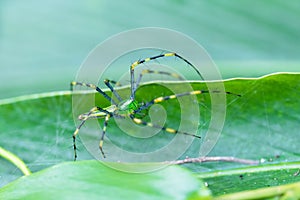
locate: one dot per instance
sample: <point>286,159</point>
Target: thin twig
<point>213,159</point>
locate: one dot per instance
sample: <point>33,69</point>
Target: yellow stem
<point>15,160</point>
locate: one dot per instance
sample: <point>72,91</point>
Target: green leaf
<point>260,125</point>
<point>255,38</point>
<point>284,192</point>
<point>229,181</point>
<point>92,180</point>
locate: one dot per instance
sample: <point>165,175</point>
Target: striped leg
<point>83,120</point>
<point>115,83</point>
<point>164,128</point>
<point>136,63</point>
<point>146,71</point>
<point>95,87</point>
<point>108,84</point>
<point>174,96</point>
<point>92,114</point>
<point>103,134</point>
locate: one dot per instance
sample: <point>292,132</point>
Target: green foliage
<point>43,51</point>
<point>247,38</point>
<point>92,180</point>
<point>260,125</point>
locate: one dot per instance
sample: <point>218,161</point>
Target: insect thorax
<point>128,105</point>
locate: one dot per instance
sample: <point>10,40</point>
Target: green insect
<point>131,108</point>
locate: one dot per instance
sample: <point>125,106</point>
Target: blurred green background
<point>43,43</point>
